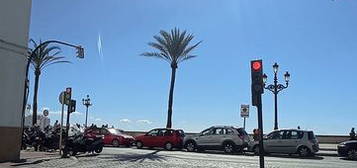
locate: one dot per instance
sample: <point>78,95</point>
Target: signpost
<point>61,100</point>
<point>244,112</point>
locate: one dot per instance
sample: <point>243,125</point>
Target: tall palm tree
<point>43,57</point>
<point>173,48</point>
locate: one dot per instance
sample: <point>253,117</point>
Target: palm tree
<point>42,58</point>
<point>173,48</point>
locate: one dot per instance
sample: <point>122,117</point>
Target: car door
<point>204,138</point>
<point>107,136</point>
<point>272,143</point>
<point>151,137</point>
<point>289,142</point>
<point>164,136</point>
<point>217,136</point>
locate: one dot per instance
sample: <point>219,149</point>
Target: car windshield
<point>115,131</point>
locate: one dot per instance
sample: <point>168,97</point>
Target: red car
<point>112,136</point>
<point>161,137</point>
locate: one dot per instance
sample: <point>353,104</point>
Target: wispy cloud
<point>143,122</point>
<point>100,47</point>
<point>125,120</point>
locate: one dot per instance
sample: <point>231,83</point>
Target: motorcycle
<point>84,143</point>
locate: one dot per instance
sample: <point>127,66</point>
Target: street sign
<point>61,97</point>
<point>244,111</point>
<point>45,112</point>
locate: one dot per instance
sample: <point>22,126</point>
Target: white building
<point>14,32</point>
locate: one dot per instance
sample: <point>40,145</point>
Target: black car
<point>348,149</point>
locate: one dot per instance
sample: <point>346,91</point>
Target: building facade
<point>14,36</point>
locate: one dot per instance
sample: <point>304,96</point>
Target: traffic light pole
<point>65,150</point>
<point>260,127</point>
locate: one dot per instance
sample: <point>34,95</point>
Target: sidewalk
<point>31,157</point>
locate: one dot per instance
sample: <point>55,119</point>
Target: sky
<point>316,41</point>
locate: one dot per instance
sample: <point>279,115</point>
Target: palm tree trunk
<point>171,96</point>
<point>34,103</point>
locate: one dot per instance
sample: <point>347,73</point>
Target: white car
<point>289,141</point>
<point>227,138</point>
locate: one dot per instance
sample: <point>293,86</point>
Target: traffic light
<point>257,81</point>
<point>73,106</point>
<point>80,52</point>
<point>68,95</point>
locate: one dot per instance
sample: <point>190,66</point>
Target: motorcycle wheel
<point>99,149</point>
<point>72,153</point>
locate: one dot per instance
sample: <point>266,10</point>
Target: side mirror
<point>265,137</point>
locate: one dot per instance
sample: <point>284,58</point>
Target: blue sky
<point>316,41</point>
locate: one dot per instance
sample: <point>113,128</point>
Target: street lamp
<point>87,103</point>
<point>276,88</point>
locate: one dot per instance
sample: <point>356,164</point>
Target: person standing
<point>353,134</point>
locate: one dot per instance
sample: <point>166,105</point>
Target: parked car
<point>112,136</point>
<point>348,149</point>
<point>227,138</point>
<point>161,137</point>
<point>289,141</point>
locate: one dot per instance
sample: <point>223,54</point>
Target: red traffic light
<point>256,65</point>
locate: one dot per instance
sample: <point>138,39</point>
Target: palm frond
<point>155,55</point>
<point>172,46</point>
<point>57,62</point>
<point>45,55</point>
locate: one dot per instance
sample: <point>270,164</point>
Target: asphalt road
<point>156,158</point>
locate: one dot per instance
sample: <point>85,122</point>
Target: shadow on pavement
<point>30,163</point>
<point>153,156</point>
<point>87,155</point>
<point>347,159</point>
<point>295,157</point>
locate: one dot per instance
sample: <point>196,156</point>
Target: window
<point>291,135</point>
<point>165,132</point>
<point>241,131</point>
<point>311,135</point>
<point>276,135</point>
<point>206,132</point>
<point>153,132</point>
<point>229,132</point>
<point>219,131</point>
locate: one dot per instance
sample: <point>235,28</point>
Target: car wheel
<point>352,154</point>
<point>115,143</point>
<point>190,146</point>
<point>139,144</point>
<point>168,146</point>
<point>228,147</point>
<point>304,151</point>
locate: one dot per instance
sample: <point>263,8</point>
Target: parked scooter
<point>83,143</point>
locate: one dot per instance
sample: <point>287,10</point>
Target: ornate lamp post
<point>276,88</point>
<point>87,103</point>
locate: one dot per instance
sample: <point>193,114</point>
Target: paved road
<point>145,158</point>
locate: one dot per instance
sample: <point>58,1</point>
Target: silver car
<point>289,141</point>
<point>227,138</point>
